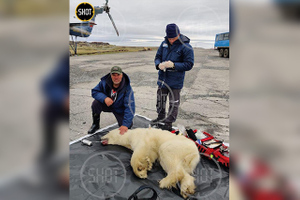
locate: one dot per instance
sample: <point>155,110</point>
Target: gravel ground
<point>204,97</point>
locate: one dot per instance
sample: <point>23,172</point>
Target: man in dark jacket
<point>174,56</point>
<point>113,94</point>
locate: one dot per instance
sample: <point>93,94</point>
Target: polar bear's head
<point>114,137</point>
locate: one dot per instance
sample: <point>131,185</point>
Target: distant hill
<point>90,43</point>
<point>92,48</point>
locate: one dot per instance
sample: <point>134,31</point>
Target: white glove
<point>169,64</point>
<point>162,66</point>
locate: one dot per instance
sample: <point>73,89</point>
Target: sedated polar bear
<point>177,155</point>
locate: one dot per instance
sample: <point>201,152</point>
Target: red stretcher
<point>209,147</point>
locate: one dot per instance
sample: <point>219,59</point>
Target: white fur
<point>177,155</point>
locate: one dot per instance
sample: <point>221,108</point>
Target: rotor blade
<point>112,21</point>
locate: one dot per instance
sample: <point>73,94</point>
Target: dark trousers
<point>174,102</point>
<point>98,107</point>
<point>52,115</point>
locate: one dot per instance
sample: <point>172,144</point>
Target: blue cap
<point>172,30</point>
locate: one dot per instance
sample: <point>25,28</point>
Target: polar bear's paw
<point>166,183</point>
<point>187,187</point>
<point>186,191</point>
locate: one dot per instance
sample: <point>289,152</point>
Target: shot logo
<point>85,11</point>
<point>98,175</point>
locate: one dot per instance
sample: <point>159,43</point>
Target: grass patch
<point>96,48</point>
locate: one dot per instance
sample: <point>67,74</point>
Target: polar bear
<point>177,155</point>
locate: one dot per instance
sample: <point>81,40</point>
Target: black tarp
<point>104,172</point>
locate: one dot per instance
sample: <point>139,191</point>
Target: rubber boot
<point>95,125</point>
<point>158,119</point>
<point>166,126</point>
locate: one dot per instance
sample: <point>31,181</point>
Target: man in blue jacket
<point>174,56</point>
<point>113,94</point>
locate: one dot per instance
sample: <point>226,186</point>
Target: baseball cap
<point>116,69</point>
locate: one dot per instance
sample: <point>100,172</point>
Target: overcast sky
<point>143,22</point>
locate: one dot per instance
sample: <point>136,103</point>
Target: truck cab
<point>222,44</point>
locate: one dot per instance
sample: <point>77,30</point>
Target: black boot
<point>95,125</point>
<point>165,126</point>
<point>158,119</point>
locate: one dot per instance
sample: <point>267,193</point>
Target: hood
<point>182,38</point>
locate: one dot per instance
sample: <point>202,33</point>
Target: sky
<point>143,22</point>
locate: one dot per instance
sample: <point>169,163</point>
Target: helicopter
<point>84,29</point>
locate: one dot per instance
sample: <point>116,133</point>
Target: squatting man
<point>113,94</point>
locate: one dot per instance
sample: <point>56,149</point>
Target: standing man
<point>174,56</point>
<point>113,94</point>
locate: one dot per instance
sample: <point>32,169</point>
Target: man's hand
<point>108,101</point>
<point>169,64</point>
<point>123,129</point>
<point>162,66</point>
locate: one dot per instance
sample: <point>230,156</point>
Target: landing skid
<point>73,45</point>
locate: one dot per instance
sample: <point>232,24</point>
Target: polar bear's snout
<point>104,140</point>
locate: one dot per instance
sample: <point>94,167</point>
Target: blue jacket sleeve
<point>98,92</point>
<point>129,107</point>
<point>188,59</point>
<point>158,56</point>
<point>56,85</point>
